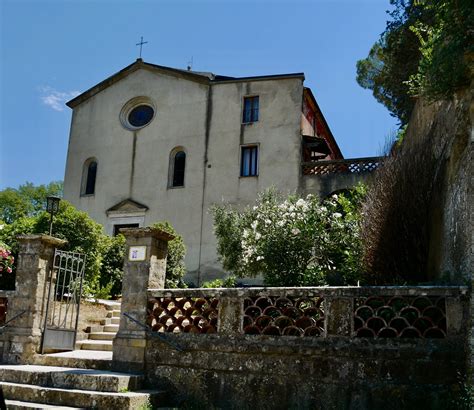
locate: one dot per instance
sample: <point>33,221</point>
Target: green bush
<point>111,269</point>
<point>293,241</point>
<point>104,254</point>
<point>8,235</point>
<point>83,234</point>
<point>229,282</point>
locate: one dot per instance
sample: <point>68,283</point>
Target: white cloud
<point>56,99</point>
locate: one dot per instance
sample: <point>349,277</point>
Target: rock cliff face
<point>448,125</point>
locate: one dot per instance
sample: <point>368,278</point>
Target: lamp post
<point>52,206</point>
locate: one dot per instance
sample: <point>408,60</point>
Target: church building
<point>153,143</point>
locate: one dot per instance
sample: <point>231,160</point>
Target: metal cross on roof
<point>141,45</point>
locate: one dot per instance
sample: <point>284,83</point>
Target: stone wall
<point>234,348</point>
<point>448,125</point>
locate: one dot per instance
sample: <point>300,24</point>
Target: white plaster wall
<point>278,134</point>
<point>180,120</point>
<point>97,131</point>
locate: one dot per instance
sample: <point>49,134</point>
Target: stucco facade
<point>201,115</point>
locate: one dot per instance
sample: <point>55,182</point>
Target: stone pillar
<point>144,268</point>
<point>23,335</point>
<point>231,312</point>
<point>339,313</point>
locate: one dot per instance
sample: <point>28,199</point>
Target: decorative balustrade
<point>341,166</point>
<point>186,314</point>
<point>400,316</point>
<point>356,312</point>
<point>283,316</point>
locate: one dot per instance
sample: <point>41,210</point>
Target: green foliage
<point>444,43</point>
<point>111,269</point>
<point>28,200</point>
<point>382,73</point>
<point>422,52</point>
<point>175,267</point>
<point>83,235</point>
<point>293,241</point>
<point>21,226</point>
<point>22,212</point>
<point>229,282</point>
<point>103,292</point>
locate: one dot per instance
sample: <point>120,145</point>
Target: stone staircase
<point>101,337</point>
<point>44,387</point>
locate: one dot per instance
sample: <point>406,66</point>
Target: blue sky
<point>52,50</point>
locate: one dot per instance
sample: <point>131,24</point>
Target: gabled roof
<point>127,206</point>
<point>200,77</point>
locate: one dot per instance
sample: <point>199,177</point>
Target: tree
<point>292,241</point>
<point>421,52</point>
<point>111,269</point>
<point>28,200</point>
<point>24,214</point>
<point>82,233</point>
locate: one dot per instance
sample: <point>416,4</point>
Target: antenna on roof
<point>190,64</point>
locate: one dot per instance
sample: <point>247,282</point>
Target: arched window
<point>177,167</point>
<point>89,175</point>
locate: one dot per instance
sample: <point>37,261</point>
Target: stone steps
<point>111,328</point>
<point>24,405</point>
<point>70,378</point>
<point>79,359</point>
<point>28,386</point>
<point>100,338</point>
<point>103,345</point>
<point>81,398</point>
<point>110,321</point>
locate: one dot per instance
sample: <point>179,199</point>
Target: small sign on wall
<point>137,253</point>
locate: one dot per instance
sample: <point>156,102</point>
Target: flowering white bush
<point>292,242</point>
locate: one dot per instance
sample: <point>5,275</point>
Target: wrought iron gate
<point>64,297</point>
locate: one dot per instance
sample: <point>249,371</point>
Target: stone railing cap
<point>142,232</point>
<point>325,291</point>
<point>51,240</point>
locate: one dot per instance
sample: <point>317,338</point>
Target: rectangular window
<point>250,113</point>
<point>249,161</point>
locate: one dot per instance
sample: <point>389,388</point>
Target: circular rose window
<point>137,113</point>
<point>141,115</point>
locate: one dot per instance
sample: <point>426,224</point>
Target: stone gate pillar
<point>23,335</point>
<point>144,268</point>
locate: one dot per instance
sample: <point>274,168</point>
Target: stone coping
<point>143,232</point>
<point>326,291</point>
<point>51,240</point>
<point>7,293</point>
